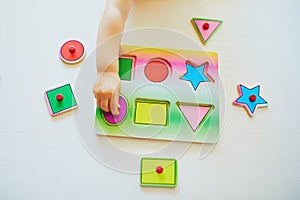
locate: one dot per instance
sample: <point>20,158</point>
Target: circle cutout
<point>157,70</point>
<point>115,120</point>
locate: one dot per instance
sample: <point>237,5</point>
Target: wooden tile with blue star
<point>250,99</point>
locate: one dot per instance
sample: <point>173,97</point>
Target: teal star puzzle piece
<point>195,75</point>
<point>250,98</point>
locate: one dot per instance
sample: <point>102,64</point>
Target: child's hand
<point>107,91</point>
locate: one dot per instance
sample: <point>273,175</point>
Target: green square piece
<point>126,65</point>
<point>60,99</point>
<point>160,172</point>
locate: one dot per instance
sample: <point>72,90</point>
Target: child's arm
<point>107,87</point>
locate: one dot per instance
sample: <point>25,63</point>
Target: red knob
<point>205,26</point>
<point>72,49</point>
<point>59,97</point>
<point>159,169</point>
<point>252,98</point>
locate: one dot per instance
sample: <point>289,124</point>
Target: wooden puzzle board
<point>167,94</point>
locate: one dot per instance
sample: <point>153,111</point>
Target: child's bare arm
<point>112,23</point>
<point>107,87</point>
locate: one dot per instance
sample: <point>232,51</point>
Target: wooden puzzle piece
<point>160,172</point>
<point>60,99</point>
<point>205,28</point>
<point>250,99</point>
<point>72,52</point>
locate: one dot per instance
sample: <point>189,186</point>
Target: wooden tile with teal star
<point>250,99</point>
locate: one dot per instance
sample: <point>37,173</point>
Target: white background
<point>257,158</point>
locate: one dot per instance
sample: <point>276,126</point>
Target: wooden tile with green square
<point>60,99</point>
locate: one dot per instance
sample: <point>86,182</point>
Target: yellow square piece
<point>151,176</point>
<point>153,112</point>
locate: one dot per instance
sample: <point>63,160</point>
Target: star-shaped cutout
<point>250,99</point>
<point>196,75</point>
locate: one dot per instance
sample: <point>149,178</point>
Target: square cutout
<point>126,65</point>
<point>154,112</point>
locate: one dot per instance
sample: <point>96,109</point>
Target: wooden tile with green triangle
<point>159,172</point>
<point>60,99</point>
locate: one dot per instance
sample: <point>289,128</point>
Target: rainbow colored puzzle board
<point>167,94</point>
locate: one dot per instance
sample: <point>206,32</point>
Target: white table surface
<point>256,158</point>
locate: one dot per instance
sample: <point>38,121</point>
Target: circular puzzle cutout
<point>157,70</point>
<point>115,120</point>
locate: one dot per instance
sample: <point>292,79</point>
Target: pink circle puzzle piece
<point>115,120</point>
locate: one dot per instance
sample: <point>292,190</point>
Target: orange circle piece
<point>156,71</point>
<point>72,52</point>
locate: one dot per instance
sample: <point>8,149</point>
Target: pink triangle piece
<point>194,114</point>
<point>205,27</point>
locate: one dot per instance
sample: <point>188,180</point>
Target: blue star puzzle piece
<point>195,75</point>
<point>250,98</point>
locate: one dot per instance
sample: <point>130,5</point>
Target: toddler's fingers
<point>114,104</point>
<point>99,103</point>
<point>104,104</point>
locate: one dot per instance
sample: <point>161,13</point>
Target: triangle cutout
<point>195,114</point>
<point>205,28</point>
